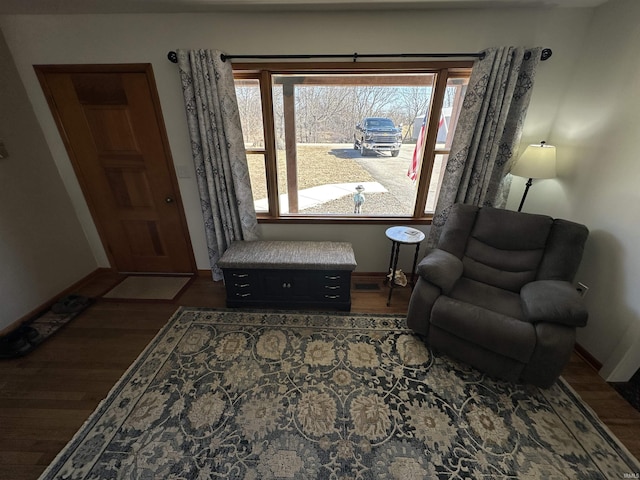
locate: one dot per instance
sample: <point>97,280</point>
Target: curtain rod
<point>546,53</point>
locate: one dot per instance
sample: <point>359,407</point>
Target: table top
<point>405,235</point>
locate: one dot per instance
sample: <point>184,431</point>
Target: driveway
<point>389,171</point>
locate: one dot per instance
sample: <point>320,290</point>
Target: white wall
<point>43,249</point>
<point>576,105</point>
<point>148,38</point>
<point>596,135</point>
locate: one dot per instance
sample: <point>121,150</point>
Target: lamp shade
<point>537,161</point>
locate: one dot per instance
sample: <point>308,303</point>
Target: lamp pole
<point>526,190</point>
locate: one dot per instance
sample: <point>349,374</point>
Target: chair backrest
<point>508,249</point>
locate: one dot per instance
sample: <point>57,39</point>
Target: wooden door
<point>111,123</point>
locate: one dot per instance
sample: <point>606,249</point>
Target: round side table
<point>402,236</point>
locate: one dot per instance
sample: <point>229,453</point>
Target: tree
<point>329,113</point>
<point>414,101</point>
<point>250,108</point>
<point>317,109</point>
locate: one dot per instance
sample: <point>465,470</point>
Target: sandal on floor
<point>19,342</point>
<point>71,304</point>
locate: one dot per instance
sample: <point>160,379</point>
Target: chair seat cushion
<point>491,330</point>
<point>487,296</point>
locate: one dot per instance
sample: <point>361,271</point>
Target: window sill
<point>352,220</point>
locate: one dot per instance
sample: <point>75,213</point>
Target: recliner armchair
<point>496,293</point>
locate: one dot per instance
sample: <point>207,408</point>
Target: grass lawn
<point>316,166</point>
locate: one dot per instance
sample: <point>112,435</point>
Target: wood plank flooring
<point>46,396</point>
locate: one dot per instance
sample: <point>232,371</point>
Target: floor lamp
<point>537,161</point>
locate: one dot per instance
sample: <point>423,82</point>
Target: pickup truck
<point>377,134</point>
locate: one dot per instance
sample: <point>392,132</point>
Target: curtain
<point>488,132</point>
<point>218,151</point>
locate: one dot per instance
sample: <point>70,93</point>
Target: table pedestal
<point>402,236</point>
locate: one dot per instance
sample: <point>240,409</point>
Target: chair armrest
<point>553,301</point>
<point>441,268</point>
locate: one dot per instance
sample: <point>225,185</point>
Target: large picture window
<point>336,142</point>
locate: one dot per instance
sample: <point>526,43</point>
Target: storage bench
<point>288,274</point>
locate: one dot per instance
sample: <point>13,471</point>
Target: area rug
<point>144,287</point>
<point>255,395</point>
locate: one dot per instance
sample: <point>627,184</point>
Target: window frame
<point>263,72</point>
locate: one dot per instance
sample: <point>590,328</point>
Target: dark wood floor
<point>46,396</point>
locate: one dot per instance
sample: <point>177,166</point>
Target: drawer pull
<point>286,285</point>
<point>241,275</point>
<point>242,285</point>
<point>332,277</point>
<point>243,294</point>
<point>332,297</point>
<point>332,287</point>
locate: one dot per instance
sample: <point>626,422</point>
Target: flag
<point>415,161</point>
<point>412,173</point>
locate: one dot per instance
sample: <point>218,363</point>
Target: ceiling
<point>174,6</point>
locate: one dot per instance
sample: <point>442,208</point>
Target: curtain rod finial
<point>546,54</point>
<point>173,57</point>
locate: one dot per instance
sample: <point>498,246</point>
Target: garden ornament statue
<point>358,199</point>
<point>398,278</point>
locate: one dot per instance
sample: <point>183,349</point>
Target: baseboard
<point>369,274</point>
<point>587,357</point>
<point>207,273</point>
<point>47,305</point>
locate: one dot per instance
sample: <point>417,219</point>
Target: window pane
<point>451,106</point>
<point>250,107</point>
<point>437,174</point>
<point>322,154</point>
<point>258,177</point>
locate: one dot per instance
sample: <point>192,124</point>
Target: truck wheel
<point>394,153</point>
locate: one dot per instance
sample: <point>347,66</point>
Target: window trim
<point>443,70</point>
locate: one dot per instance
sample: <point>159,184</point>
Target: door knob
<point>168,200</point>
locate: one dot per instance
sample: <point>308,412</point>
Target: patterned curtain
<point>218,151</point>
<point>488,132</point>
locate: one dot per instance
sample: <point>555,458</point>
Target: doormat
<point>32,333</point>
<point>148,288</point>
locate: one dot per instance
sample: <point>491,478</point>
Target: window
<point>319,135</point>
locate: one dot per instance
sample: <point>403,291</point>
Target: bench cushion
<point>293,255</point>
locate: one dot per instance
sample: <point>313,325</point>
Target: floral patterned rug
<point>255,395</point>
